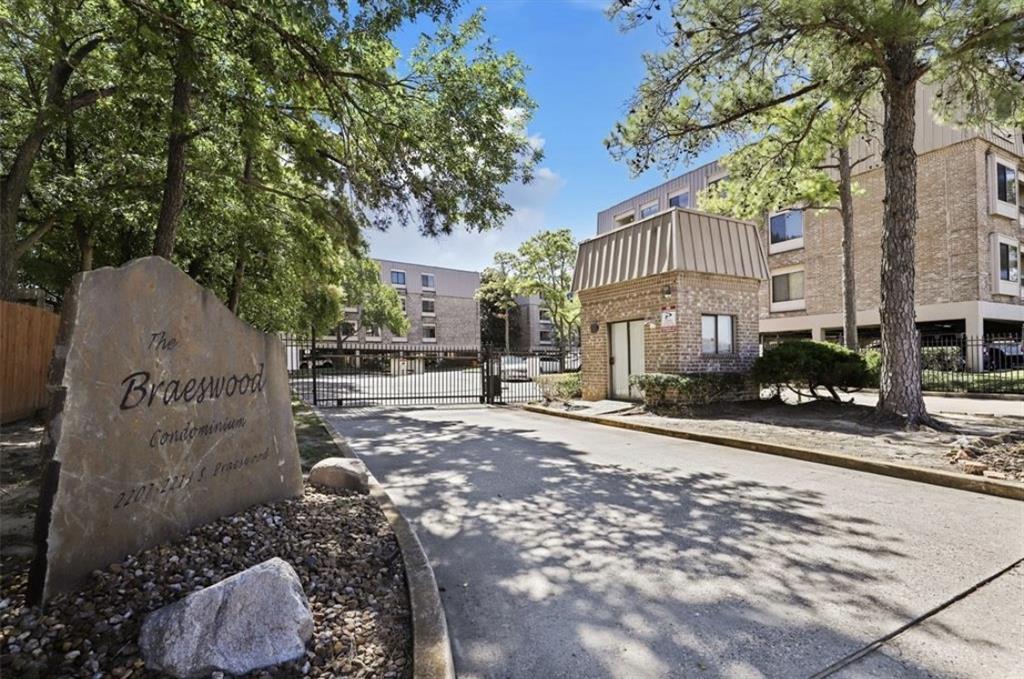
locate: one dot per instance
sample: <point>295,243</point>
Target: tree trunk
<point>900,387</point>
<point>177,146</point>
<point>507,345</point>
<point>83,234</point>
<point>15,183</point>
<point>82,231</point>
<point>848,274</point>
<point>237,277</point>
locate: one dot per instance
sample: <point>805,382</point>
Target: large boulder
<point>340,473</point>
<point>253,619</point>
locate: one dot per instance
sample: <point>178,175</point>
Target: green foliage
<point>378,303</point>
<point>497,295</point>
<point>873,363</point>
<point>544,266</point>
<point>942,358</point>
<point>805,365</point>
<point>560,386</point>
<point>306,126</point>
<point>692,389</point>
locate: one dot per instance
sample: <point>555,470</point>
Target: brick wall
<point>952,253</point>
<point>669,350</point>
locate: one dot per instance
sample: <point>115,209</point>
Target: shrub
<point>942,358</point>
<point>559,387</point>
<point>873,362</point>
<point>660,389</point>
<point>808,365</point>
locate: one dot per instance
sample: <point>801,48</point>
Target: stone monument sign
<point>168,412</point>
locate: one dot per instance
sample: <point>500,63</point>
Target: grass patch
<point>1009,382</point>
<point>315,442</point>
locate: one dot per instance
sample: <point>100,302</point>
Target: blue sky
<point>582,71</point>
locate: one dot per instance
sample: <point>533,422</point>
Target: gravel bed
<point>340,545</point>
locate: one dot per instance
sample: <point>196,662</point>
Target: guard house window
<point>786,231</point>
<point>429,333</point>
<point>681,199</point>
<point>398,278</point>
<point>1009,262</point>
<point>788,290</point>
<point>427,281</point>
<point>716,334</point>
<point>648,209</point>
<point>428,307</point>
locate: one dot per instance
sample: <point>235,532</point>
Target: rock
<point>340,473</point>
<point>973,467</point>
<point>253,619</point>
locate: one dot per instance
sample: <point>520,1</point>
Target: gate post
<point>312,359</point>
<point>485,378</point>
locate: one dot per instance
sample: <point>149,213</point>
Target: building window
<point>1006,267</point>
<point>402,301</point>
<point>373,332</point>
<point>348,329</point>
<point>681,199</point>
<point>398,278</point>
<point>786,231</point>
<point>429,333</point>
<point>547,337</point>
<point>716,334</point>
<point>545,316</point>
<point>428,307</point>
<point>787,290</point>
<point>648,209</point>
<point>1004,193</point>
<point>1009,262</point>
<point>427,281</point>
<point>625,218</point>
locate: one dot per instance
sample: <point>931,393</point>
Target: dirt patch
<point>997,457</point>
<point>845,428</point>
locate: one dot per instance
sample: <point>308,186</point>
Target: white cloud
<point>474,250</point>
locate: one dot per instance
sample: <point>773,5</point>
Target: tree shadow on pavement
<point>553,565</point>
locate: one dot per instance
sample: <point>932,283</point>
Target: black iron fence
<point>957,363</point>
<point>325,372</point>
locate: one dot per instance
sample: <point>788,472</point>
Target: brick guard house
<point>676,292</point>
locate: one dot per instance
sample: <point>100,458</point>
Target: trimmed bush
<point>873,361</point>
<point>942,358</point>
<point>805,365</point>
<point>559,387</point>
<point>661,389</point>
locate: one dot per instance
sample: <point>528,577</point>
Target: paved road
<point>566,549</point>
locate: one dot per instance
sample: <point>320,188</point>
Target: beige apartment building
<point>969,233</point>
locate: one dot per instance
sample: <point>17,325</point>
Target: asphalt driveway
<point>566,549</point>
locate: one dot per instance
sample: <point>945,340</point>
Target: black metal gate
<point>326,373</point>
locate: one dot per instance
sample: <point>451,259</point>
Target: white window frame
<point>648,205</point>
<point>622,215</point>
<point>540,338</point>
<point>1002,207</point>
<point>371,337</point>
<point>430,340</point>
<point>432,276</point>
<point>999,286</point>
<point>786,245</point>
<point>683,192</point>
<point>425,313</point>
<point>788,305</point>
<point>398,285</point>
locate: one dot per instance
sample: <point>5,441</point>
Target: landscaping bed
<point>339,543</point>
<point>852,429</point>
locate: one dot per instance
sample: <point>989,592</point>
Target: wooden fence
<point>27,336</point>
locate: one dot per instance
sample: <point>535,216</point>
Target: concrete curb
<point>974,484</point>
<point>431,646</point>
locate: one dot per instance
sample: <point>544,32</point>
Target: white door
<point>627,357</point>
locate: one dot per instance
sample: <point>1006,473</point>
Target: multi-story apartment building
<point>536,331</point>
<point>970,229</point>
<point>439,303</point>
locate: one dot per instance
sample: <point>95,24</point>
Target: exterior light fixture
<point>594,327</point>
<point>666,291</point>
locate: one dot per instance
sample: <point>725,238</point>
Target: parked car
<point>1004,355</point>
<point>552,364</point>
<point>514,369</point>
